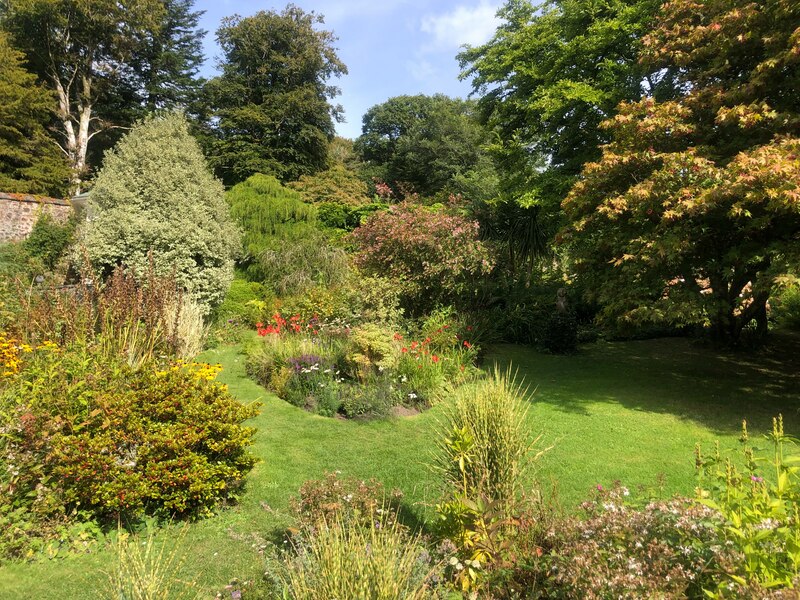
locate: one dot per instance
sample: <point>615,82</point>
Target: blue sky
<point>390,47</point>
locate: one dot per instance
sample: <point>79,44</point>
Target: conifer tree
<point>30,161</point>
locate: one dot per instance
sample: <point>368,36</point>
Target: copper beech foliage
<point>692,214</point>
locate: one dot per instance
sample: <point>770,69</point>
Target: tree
<point>82,49</point>
<point>166,66</point>
<point>155,199</point>
<point>337,184</point>
<point>546,80</point>
<point>692,214</point>
<point>269,111</point>
<point>29,159</point>
<point>432,143</point>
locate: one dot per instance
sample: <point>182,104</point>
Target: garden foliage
<point>269,110</point>
<point>155,200</point>
<point>88,437</point>
<point>435,257</point>
<point>691,214</point>
<point>29,160</point>
<point>329,367</point>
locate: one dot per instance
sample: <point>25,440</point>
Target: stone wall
<point>18,213</point>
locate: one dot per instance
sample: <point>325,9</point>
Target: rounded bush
<point>85,435</point>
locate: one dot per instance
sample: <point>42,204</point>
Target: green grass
<point>629,411</point>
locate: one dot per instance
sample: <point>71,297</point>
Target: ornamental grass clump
<point>483,453</point>
<point>148,570</point>
<point>484,446</point>
<point>346,560</point>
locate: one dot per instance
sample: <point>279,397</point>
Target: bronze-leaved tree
<point>692,215</point>
<point>155,199</point>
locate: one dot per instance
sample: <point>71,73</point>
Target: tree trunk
<point>76,143</point>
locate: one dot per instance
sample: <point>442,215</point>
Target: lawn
<point>630,411</point>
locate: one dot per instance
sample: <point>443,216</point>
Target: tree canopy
<point>29,160</point>
<point>546,80</point>
<point>432,143</point>
<point>692,214</point>
<point>82,49</point>
<point>269,111</point>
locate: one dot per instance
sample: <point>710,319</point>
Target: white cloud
<point>465,24</point>
<point>421,69</point>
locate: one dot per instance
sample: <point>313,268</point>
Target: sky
<point>390,47</point>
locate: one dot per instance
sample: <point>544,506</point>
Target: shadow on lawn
<point>714,388</point>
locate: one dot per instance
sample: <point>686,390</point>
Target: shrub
<point>786,307</point>
<point>667,550</point>
<point>48,240</point>
<point>342,216</point>
<point>345,500</point>
<point>356,301</point>
<point>760,508</point>
<point>335,185</point>
<point>246,302</point>
<point>341,560</point>
<point>561,333</point>
<point>371,350</point>
<point>88,436</point>
<point>434,257</point>
<point>156,202</point>
<point>295,265</point>
<point>266,211</point>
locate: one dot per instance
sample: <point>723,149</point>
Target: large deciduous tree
<point>546,80</point>
<point>433,143</point>
<point>29,159</point>
<point>82,49</point>
<point>270,110</point>
<point>692,215</point>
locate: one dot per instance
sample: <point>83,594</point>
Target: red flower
<point>435,358</point>
<point>404,350</point>
<point>398,337</point>
<point>467,344</point>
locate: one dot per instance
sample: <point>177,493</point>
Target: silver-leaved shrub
<point>156,197</point>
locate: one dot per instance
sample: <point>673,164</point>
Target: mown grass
<point>628,411</point>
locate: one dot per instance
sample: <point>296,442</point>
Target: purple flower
<point>599,488</point>
<point>757,479</point>
<point>305,362</point>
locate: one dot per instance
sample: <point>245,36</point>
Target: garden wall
<point>18,213</point>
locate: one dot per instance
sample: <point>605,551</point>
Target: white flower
<point>412,396</point>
